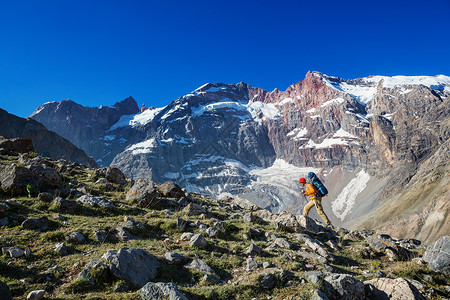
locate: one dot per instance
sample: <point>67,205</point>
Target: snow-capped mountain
<point>366,137</point>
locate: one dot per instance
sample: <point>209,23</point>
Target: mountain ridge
<point>223,139</point>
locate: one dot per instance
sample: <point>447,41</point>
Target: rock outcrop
<point>45,142</point>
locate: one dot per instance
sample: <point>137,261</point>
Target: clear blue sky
<point>100,52</point>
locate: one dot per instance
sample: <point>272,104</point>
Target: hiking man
<point>311,191</point>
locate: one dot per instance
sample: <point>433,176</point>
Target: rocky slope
<point>367,138</point>
<point>96,234</point>
<point>46,143</point>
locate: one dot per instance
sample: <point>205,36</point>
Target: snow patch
<point>137,119</point>
<point>333,101</point>
<point>345,201</point>
<point>143,147</point>
<point>298,133</point>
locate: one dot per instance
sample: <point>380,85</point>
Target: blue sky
<point>100,52</point>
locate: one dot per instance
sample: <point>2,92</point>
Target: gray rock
<point>286,221</point>
<point>143,193</point>
<point>249,217</point>
<point>319,295</point>
<point>344,286</point>
<point>315,245</point>
<point>254,250</point>
<point>210,279</point>
<point>76,237</point>
<point>171,190</point>
<point>201,266</point>
<point>46,197</point>
<point>197,240</point>
<point>5,293</point>
<point>186,236</point>
<point>387,288</point>
<point>33,224</point>
<point>212,232</point>
<point>438,256</point>
<point>36,295</point>
<point>219,225</point>
<point>99,236</point>
<point>61,249</point>
<point>181,224</point>
<point>95,267</point>
<point>102,181</point>
<point>93,201</point>
<point>252,264</point>
<point>309,224</point>
<point>14,252</point>
<point>132,225</point>
<point>176,258</point>
<point>113,175</point>
<point>267,281</point>
<point>282,243</point>
<point>123,234</point>
<point>160,291</point>
<point>193,209</point>
<point>4,221</point>
<point>135,265</point>
<point>64,205</point>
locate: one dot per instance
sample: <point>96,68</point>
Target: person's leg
<point>307,208</point>
<point>318,202</point>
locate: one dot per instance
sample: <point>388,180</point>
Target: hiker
<point>311,191</point>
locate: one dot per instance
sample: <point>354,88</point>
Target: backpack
<point>322,190</point>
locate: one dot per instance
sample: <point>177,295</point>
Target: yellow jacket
<point>310,191</point>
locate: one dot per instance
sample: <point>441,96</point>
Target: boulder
<point>254,250</point>
<point>438,256</point>
<point>343,287</point>
<point>61,249</point>
<point>4,221</point>
<point>395,289</point>
<point>143,193</point>
<point>36,295</point>
<point>212,232</point>
<point>99,236</point>
<point>176,258</point>
<point>113,175</point>
<point>64,205</point>
<point>76,238</point>
<point>252,264</point>
<point>319,295</point>
<point>282,243</point>
<point>309,224</point>
<point>186,236</point>
<point>171,190</point>
<point>48,178</point>
<point>123,234</point>
<point>315,245</point>
<point>14,180</point>
<point>160,291</point>
<point>46,197</point>
<point>33,224</point>
<point>193,209</point>
<point>14,252</point>
<point>201,266</point>
<point>5,293</point>
<point>135,265</point>
<point>94,201</point>
<point>16,145</point>
<point>197,240</point>
<point>267,281</point>
<point>286,221</point>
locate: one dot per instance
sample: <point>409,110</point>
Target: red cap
<point>302,180</point>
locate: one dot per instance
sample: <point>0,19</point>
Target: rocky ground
<point>80,233</point>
